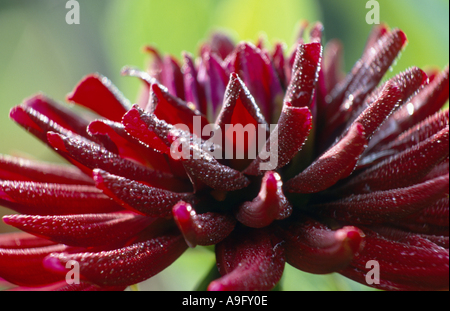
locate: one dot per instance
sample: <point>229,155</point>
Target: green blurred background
<point>39,52</point>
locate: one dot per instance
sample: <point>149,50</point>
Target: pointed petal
<point>172,77</point>
<point>166,70</point>
<point>305,73</point>
<point>194,92</point>
<point>285,141</point>
<point>394,233</point>
<point>155,67</point>
<point>18,169</point>
<point>124,266</point>
<point>235,94</point>
<point>140,126</point>
<point>97,93</point>
<point>249,260</point>
<point>54,199</point>
<point>378,106</point>
<point>102,229</point>
<point>377,32</point>
<point>334,165</point>
<point>213,77</point>
<point>269,205</point>
<point>313,247</point>
<point>172,110</point>
<point>239,110</point>
<point>38,115</point>
<point>202,229</point>
<point>385,206</point>
<point>138,197</point>
<point>57,113</point>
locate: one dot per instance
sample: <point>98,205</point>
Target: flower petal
<point>202,229</point>
<point>239,110</point>
<point>103,229</point>
<point>235,94</point>
<point>97,93</point>
<point>413,263</point>
<point>285,141</point>
<point>368,71</point>
<point>89,156</point>
<point>18,169</point>
<point>395,92</point>
<point>436,214</point>
<point>16,240</point>
<point>113,136</point>
<point>54,199</point>
<point>313,247</point>
<point>270,204</point>
<point>24,266</point>
<point>124,266</point>
<point>39,114</point>
<point>254,67</point>
<point>138,197</point>
<point>213,77</point>
<point>334,165</point>
<point>194,92</point>
<point>279,63</point>
<point>425,103</point>
<point>385,206</point>
<point>413,163</point>
<point>251,259</point>
<point>172,77</point>
<point>419,133</point>
<point>332,64</point>
<point>139,126</point>
<point>220,44</point>
<point>305,72</point>
<point>172,110</point>
<point>204,168</point>
<point>214,174</point>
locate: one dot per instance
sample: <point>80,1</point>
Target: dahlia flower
<point>361,172</point>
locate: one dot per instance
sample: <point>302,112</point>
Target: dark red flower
<point>356,171</point>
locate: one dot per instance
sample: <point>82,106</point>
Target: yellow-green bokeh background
<point>40,52</point>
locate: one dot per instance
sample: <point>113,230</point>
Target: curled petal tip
<point>53,263</point>
<point>269,205</point>
<point>202,229</point>
<point>312,247</point>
